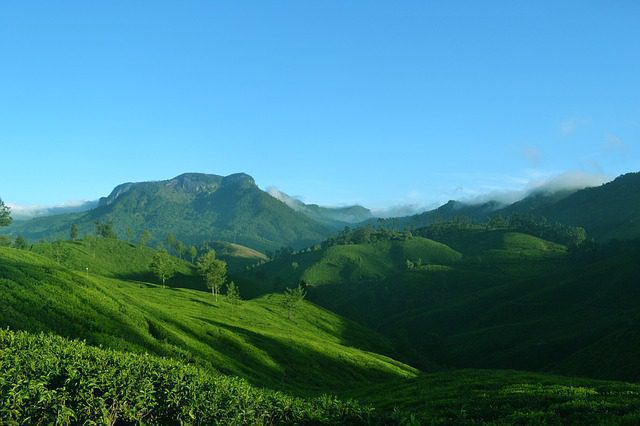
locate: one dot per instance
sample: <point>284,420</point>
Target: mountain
<point>195,208</point>
<point>332,215</point>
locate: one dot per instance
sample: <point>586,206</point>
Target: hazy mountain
<point>608,211</point>
<point>330,215</point>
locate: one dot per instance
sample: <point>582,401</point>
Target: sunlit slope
<point>341,264</point>
<point>114,258</point>
<point>314,351</point>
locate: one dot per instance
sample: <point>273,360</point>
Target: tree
<point>20,243</point>
<point>60,252</point>
<point>5,214</point>
<point>144,238</point>
<point>73,232</point>
<point>233,293</point>
<point>162,266</point>
<point>193,251</point>
<point>105,230</point>
<point>293,298</point>
<point>214,271</point>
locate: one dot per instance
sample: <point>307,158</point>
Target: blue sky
<point>378,103</point>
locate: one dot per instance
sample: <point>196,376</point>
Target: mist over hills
<point>608,211</point>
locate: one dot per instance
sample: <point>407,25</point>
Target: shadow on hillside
<point>310,370</point>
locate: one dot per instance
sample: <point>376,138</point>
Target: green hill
<point>316,351</point>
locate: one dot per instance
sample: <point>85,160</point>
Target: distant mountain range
<point>198,207</point>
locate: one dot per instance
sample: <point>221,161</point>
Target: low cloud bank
<point>569,181</point>
<point>21,212</point>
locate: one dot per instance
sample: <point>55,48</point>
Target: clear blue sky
<point>380,103</point>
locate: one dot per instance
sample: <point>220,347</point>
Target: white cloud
<point>613,143</point>
<point>532,155</point>
<point>569,125</point>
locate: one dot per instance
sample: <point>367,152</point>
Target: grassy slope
<point>317,351</point>
<point>345,263</point>
<point>237,256</point>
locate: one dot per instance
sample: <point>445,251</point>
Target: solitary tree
<point>233,294</point>
<point>293,298</point>
<point>162,266</point>
<point>214,271</point>
<point>20,243</point>
<point>73,232</point>
<point>60,251</point>
<point>5,214</point>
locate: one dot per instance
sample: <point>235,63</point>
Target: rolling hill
<point>481,298</point>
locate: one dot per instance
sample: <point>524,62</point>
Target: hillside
<point>315,351</point>
<point>610,211</point>
<point>193,207</point>
<point>506,300</point>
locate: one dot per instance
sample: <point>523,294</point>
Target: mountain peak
<point>239,179</point>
